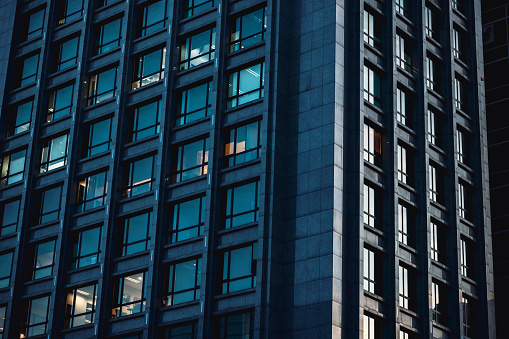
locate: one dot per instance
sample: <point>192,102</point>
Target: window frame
<point>33,34</point>
<point>26,325</point>
<point>118,305</point>
<point>77,243</point>
<point>70,309</point>
<point>134,119</point>
<point>139,77</point>
<point>35,269</point>
<point>179,154</point>
<point>371,29</point>
<point>372,145</point>
<point>5,280</point>
<point>460,95</point>
<point>47,163</point>
<point>99,47</point>
<point>42,214</point>
<point>225,269</point>
<point>128,186</point>
<point>186,58</point>
<point>236,45</point>
<point>90,137</point>
<point>403,8</point>
<point>231,155</point>
<point>372,216</point>
<point>430,23</point>
<point>439,310</point>
<point>174,220</point>
<point>229,205</point>
<point>61,64</point>
<point>437,239</point>
<point>144,29</point>
<point>53,101</point>
<point>81,204</point>
<point>5,174</point>
<point>170,279</point>
<point>234,80</point>
<point>166,332</point>
<point>403,54</point>
<point>13,126</point>
<point>2,214</point>
<point>372,87</point>
<point>183,99</point>
<point>190,11</point>
<point>69,17</point>
<point>94,98</point>
<point>221,331</point>
<point>25,80</point>
<point>126,244</point>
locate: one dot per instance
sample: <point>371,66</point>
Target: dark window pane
<point>99,137</point>
<point>9,217</point>
<point>194,104</point>
<point>139,177</point>
<point>248,30</point>
<point>60,103</point>
<point>191,161</point>
<point>192,7</point>
<point>50,205</point>
<point>44,256</point>
<point>68,53</point>
<point>29,73</point>
<point>153,17</point>
<point>145,121</point>
<point>5,273</point>
<point>108,36</point>
<point>35,24</point>
<point>136,234</point>
<point>236,326</point>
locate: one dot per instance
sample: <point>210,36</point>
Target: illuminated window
<point>248,30</point>
<point>242,144</point>
<point>372,145</point>
<point>246,85</point>
<point>13,168</point>
<point>35,317</point>
<point>54,153</point>
<point>372,272</point>
<point>197,49</point>
<point>372,29</point>
<point>148,68</point>
<point>372,207</point>
<point>80,306</point>
<point>129,295</point>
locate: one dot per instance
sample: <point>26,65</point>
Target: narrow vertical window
<point>372,87</point>
<point>438,303</point>
<point>372,327</point>
<point>460,95</point>
<point>402,164</point>
<point>5,273</point>
<point>372,30</point>
<point>372,207</point>
<point>372,270</point>
<point>372,145</point>
<point>152,17</point>
<point>35,24</point>
<point>437,237</point>
<point>403,58</point>
<point>462,147</point>
<point>403,7</point>
<point>403,217</point>
<point>466,258</point>
<point>431,30</point>
<point>50,205</point>
<point>402,111</point>
<point>469,317</point>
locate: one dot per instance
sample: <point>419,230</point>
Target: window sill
<point>467,222</point>
<point>141,141</point>
<point>406,128</point>
<point>148,36</point>
<point>373,49</point>
<point>14,184</point>
<point>188,182</point>
<point>247,49</point>
<point>407,187</point>
<point>129,316</point>
<point>181,305</point>
<point>103,8</point>
<point>192,123</point>
<point>242,165</point>
<point>84,268</point>
<point>204,13</point>
<point>434,93</point>
<point>46,224</point>
<point>373,107</point>
<point>238,228</point>
<point>410,249</point>
<point>374,230</point>
<point>438,205</point>
<point>21,89</point>
<point>192,69</point>
<point>77,328</point>
<point>29,42</point>
<point>242,106</point>
<point>405,19</point>
<point>407,73</point>
<point>463,114</point>
<point>441,327</point>
<point>93,157</point>
<point>465,168</point>
<point>50,172</point>
<point>67,24</point>
<point>437,149</point>
<point>440,265</point>
<point>434,42</point>
<point>98,56</point>
<point>16,136</point>
<point>39,280</point>
<point>234,294</point>
<point>92,107</point>
<point>56,121</point>
<point>10,235</point>
<point>461,63</point>
<point>130,256</point>
<point>90,211</point>
<point>183,242</point>
<point>374,167</point>
<point>374,296</point>
<point>62,71</point>
<point>469,280</point>
<point>408,312</point>
<point>138,196</point>
<point>142,88</point>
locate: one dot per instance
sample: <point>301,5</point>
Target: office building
<point>235,168</point>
